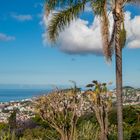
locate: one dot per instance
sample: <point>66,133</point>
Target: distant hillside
<point>128,87</point>
<point>130,95</point>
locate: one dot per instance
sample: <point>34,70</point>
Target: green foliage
<point>37,133</point>
<point>130,132</point>
<point>3,126</point>
<point>113,116</point>
<point>55,4</point>
<point>8,135</point>
<point>135,133</point>
<point>63,18</point>
<point>131,123</point>
<point>88,130</point>
<point>130,115</point>
<point>12,120</point>
<point>86,118</point>
<point>97,6</point>
<point>40,134</point>
<point>40,122</point>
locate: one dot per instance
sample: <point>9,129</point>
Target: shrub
<point>3,126</point>
<point>8,135</point>
<point>40,133</point>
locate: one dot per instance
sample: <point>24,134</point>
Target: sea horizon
<point>9,95</point>
<point>18,92</point>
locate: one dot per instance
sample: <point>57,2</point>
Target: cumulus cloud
<point>4,37</point>
<point>22,17</point>
<point>133,31</point>
<point>80,38</point>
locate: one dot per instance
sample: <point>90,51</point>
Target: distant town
<point>24,110</point>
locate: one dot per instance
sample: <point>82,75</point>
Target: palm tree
<point>70,10</point>
<point>119,39</point>
<point>118,20</point>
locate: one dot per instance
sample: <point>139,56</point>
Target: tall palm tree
<point>118,20</point>
<point>70,9</point>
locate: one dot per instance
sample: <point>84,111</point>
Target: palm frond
<point>112,39</point>
<point>62,19</point>
<point>56,4</point>
<point>97,6</point>
<point>105,37</point>
<point>132,1</point>
<point>105,31</point>
<point>100,9</point>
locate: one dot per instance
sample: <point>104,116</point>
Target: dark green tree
<point>12,120</point>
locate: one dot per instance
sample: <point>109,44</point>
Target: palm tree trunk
<point>118,54</point>
<point>119,91</point>
<point>118,18</point>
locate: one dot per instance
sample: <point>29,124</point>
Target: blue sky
<point>24,59</point>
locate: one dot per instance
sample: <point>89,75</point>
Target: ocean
<point>7,95</point>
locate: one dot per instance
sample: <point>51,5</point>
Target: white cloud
<point>4,37</point>
<point>80,38</point>
<point>133,31</point>
<point>22,17</point>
